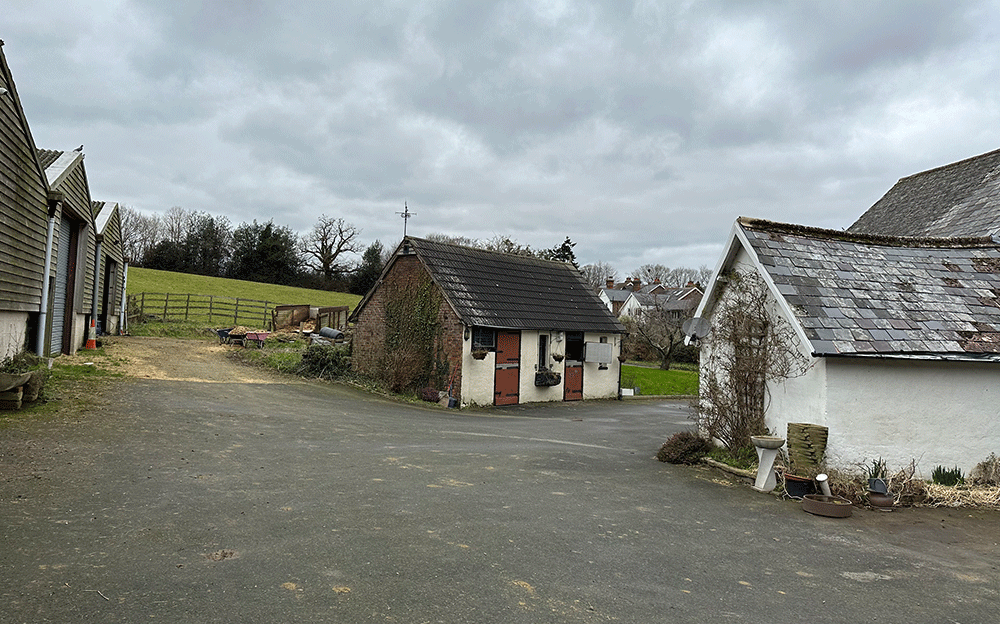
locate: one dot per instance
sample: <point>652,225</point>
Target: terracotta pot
<point>877,499</point>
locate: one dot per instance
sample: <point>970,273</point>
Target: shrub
<point>987,472</point>
<point>949,477</point>
<point>685,447</point>
<point>324,361</point>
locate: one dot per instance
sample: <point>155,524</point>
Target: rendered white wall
<point>602,384</point>
<point>13,328</point>
<point>477,377</point>
<point>937,413</point>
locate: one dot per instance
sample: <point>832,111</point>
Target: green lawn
<point>153,281</point>
<point>653,381</point>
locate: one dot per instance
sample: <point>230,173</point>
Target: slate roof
<point>960,199</point>
<point>507,291</point>
<point>862,295</point>
<point>616,294</point>
<point>670,299</point>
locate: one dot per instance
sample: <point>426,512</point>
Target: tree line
<point>188,241</point>
<point>326,257</point>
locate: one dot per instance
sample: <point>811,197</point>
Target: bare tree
<point>649,273</point>
<point>177,222</point>
<point>438,237</point>
<point>598,273</point>
<point>327,244</point>
<point>139,233</point>
<point>659,326</point>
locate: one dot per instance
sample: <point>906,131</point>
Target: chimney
<point>636,284</point>
<point>610,283</point>
<point>656,281</point>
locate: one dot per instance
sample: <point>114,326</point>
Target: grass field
<point>656,382</point>
<point>153,281</point>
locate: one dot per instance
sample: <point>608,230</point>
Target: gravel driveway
<point>256,498</point>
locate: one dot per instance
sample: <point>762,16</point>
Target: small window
<point>484,338</point>
<point>543,351</point>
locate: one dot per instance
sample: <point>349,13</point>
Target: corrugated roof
<point>492,289</point>
<point>861,295</point>
<point>960,199</point>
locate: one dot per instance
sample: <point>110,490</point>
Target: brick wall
<point>369,330</point>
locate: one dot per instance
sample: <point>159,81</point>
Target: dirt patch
<point>175,359</point>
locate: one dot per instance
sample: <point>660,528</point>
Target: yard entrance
<point>507,375</point>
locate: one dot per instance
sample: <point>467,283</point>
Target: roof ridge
<point>871,239</point>
<point>505,254</point>
<point>957,163</point>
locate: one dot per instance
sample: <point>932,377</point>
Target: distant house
<point>959,199</point>
<point>74,250</point>
<point>615,295</point>
<point>682,300</point>
<point>538,330</point>
<point>24,208</point>
<point>108,224</point>
<point>902,336</point>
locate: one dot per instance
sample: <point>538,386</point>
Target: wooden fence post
<point>166,298</point>
<point>211,316</point>
<point>187,308</point>
<point>236,312</point>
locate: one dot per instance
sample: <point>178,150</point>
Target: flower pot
<point>797,487</point>
<point>829,506</point>
<point>880,499</point>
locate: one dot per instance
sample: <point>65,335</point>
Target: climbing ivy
<point>412,354</point>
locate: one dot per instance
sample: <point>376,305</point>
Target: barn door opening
<point>507,376</point>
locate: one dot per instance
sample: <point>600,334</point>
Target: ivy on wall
<point>412,354</point>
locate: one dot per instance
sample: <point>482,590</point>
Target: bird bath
<point>767,450</point>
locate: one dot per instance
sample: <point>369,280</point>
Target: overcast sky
<point>641,130</point>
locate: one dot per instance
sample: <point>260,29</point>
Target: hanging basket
<point>480,354</point>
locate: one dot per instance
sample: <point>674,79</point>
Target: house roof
<point>858,295</point>
<point>616,294</point>
<point>508,291</point>
<point>678,298</point>
<point>960,199</point>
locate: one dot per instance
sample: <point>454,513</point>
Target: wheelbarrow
<point>257,337</point>
<point>224,335</point>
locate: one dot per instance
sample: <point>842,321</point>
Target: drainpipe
<point>43,310</point>
<point>121,306</point>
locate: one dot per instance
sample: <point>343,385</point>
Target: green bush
<point>324,361</point>
<point>946,476</point>
<point>686,447</point>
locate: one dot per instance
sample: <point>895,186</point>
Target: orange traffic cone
<point>92,336</point>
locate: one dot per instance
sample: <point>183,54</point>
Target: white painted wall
<point>477,375</point>
<point>13,333</point>
<point>602,384</point>
<point>937,413</point>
